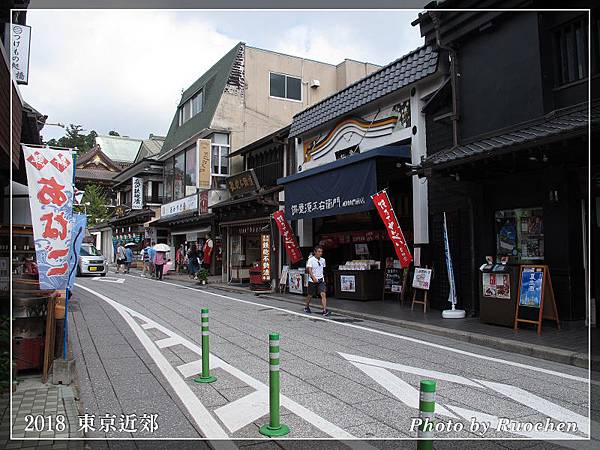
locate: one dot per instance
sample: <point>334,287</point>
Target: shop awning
<point>341,187</point>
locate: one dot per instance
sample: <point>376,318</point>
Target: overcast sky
<point>125,70</point>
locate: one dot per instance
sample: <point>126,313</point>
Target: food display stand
<point>359,280</point>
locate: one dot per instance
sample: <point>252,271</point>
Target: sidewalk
<point>567,346</point>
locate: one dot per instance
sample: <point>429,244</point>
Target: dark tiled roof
<point>556,124</point>
<point>92,174</point>
<point>406,70</point>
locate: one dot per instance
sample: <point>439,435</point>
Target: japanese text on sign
<point>265,252</point>
<point>50,179</point>
<point>386,212</point>
<point>20,37</point>
<point>289,240</point>
<point>137,200</point>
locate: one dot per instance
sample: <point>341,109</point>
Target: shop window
<point>285,86</point>
<point>520,234</point>
<point>571,52</point>
<point>190,108</point>
<point>220,153</point>
<point>169,173</point>
<point>190,171</point>
<point>179,171</point>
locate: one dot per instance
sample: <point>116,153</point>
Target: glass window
<point>277,88</point>
<point>169,180</point>
<point>197,103</point>
<point>293,88</point>
<point>89,250</point>
<point>520,234</point>
<point>178,191</point>
<point>190,171</point>
<point>570,48</point>
<point>284,86</point>
<point>220,151</point>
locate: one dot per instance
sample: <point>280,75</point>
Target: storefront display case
<point>359,280</point>
<point>498,293</point>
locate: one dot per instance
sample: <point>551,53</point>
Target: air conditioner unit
<point>315,83</point>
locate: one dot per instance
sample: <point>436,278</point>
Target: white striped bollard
<point>205,376</point>
<point>426,413</point>
<point>275,427</point>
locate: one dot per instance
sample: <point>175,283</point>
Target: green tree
<point>74,137</point>
<point>94,204</point>
<point>113,133</point>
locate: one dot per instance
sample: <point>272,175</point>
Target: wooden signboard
<point>536,295</point>
<point>421,283</point>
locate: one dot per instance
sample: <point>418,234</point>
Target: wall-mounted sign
<point>242,183</point>
<point>203,202</point>
<point>265,256</point>
<point>137,193</point>
<point>348,283</point>
<point>179,206</point>
<point>18,54</point>
<point>203,158</point>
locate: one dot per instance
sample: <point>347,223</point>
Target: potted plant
<point>202,275</point>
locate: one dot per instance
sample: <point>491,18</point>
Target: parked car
<point>91,261</point>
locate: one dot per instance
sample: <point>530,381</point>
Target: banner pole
<point>66,327</point>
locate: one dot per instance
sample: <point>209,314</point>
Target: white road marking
<point>109,280</point>
<point>398,387</point>
<point>540,404</point>
<point>378,371</point>
<point>238,414</point>
<point>190,369</point>
<point>198,411</point>
<point>167,342</point>
<point>203,418</point>
<point>147,326</point>
<point>385,333</point>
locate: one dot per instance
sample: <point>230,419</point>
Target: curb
<point>568,357</point>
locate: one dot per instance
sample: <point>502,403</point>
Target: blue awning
<point>341,187</point>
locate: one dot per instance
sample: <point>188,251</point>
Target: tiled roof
<point>406,70</point>
<point>553,125</point>
<point>92,174</point>
<point>150,147</point>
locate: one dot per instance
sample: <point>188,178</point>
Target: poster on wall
<point>50,180</point>
<point>295,278</point>
<point>347,283</point>
<point>532,281</point>
<point>422,278</point>
<point>496,285</point>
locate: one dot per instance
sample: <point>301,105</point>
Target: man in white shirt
<point>316,281</point>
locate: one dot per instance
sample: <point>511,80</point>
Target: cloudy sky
<point>125,70</point>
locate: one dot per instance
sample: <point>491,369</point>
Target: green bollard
<point>205,376</point>
<point>274,428</point>
<point>426,413</point>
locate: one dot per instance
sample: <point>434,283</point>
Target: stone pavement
<point>33,398</point>
<point>568,345</point>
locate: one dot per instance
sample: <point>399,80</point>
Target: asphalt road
<point>137,345</point>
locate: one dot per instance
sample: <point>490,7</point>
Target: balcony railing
<point>267,174</point>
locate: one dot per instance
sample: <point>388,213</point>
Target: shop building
<point>345,149</point>
<point>246,95</point>
<point>507,154</point>
<point>96,168</point>
<point>245,219</point>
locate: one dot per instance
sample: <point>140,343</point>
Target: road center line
<point>385,333</point>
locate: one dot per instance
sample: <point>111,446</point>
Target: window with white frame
<point>190,108</point>
<point>285,86</point>
<point>220,153</point>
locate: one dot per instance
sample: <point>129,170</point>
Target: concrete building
<point>246,95</point>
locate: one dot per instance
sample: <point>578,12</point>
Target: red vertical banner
<point>387,214</point>
<point>289,240</point>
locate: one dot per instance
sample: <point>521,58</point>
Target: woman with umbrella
<point>128,256</point>
<point>160,259</point>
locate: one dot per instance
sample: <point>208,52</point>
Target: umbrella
<point>130,244</point>
<point>161,248</point>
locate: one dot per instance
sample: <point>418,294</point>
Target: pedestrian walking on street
<point>159,262</point>
<point>128,258</point>
<point>151,255</point>
<point>179,259</point>
<point>192,261</point>
<point>121,258</point>
<point>146,260</point>
<point>207,252</point>
<point>316,280</point>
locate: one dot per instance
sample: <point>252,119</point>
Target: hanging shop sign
<point>338,191</point>
<point>242,183</point>
<point>179,206</point>
<point>120,211</point>
<point>50,179</point>
<point>137,193</point>
<point>203,202</point>
<point>20,40</point>
<point>386,212</point>
<point>289,240</point>
<point>265,252</point>
<point>203,158</point>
